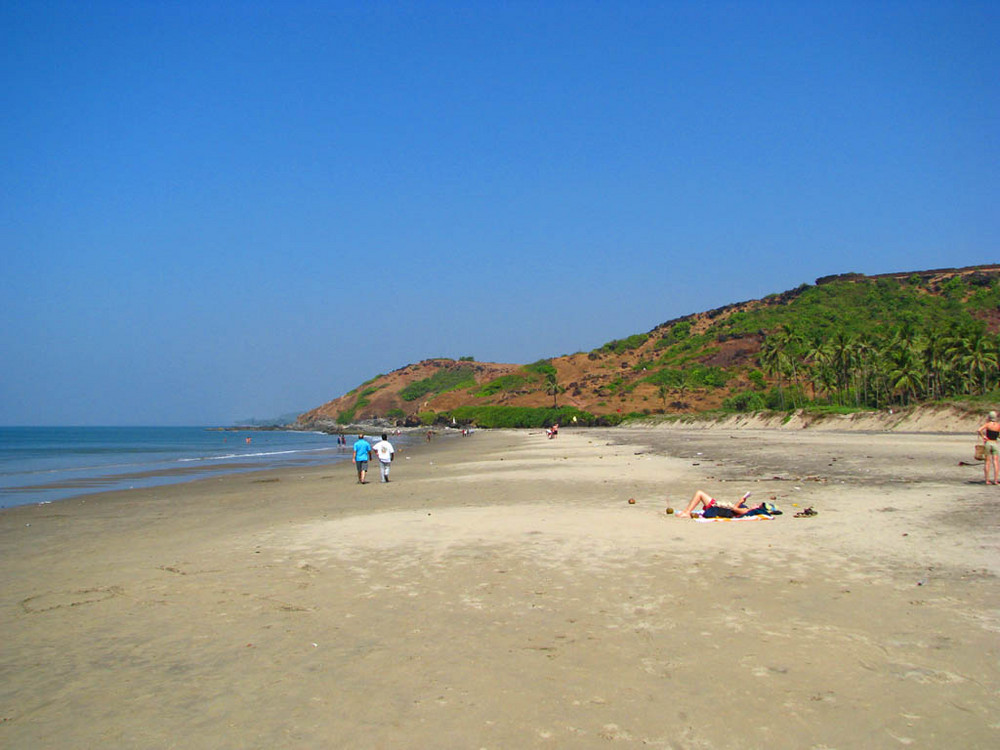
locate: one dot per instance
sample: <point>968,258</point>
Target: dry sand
<point>502,593</point>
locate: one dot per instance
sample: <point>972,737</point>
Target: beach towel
<point>758,517</point>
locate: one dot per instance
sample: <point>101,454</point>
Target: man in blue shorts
<point>361,450</point>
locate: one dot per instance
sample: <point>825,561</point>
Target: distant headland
<point>848,344</point>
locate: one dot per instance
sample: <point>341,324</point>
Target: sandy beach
<point>501,592</point>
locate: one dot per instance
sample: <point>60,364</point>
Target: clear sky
<point>217,210</point>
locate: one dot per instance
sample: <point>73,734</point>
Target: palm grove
<point>876,344</point>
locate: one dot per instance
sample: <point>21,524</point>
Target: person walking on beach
<point>384,450</point>
<point>361,450</point>
<point>989,433</point>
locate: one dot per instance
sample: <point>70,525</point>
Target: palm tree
<point>956,349</point>
<point>936,363</point>
<point>907,376</point>
<point>772,362</point>
<point>842,351</point>
<point>980,358</point>
<point>906,351</point>
<point>866,354</point>
<point>818,357</point>
<point>553,388</point>
<point>789,342</point>
<point>681,389</point>
<point>662,391</point>
<point>880,369</point>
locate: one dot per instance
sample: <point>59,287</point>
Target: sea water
<point>42,464</point>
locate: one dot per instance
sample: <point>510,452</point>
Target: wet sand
<point>501,592</point>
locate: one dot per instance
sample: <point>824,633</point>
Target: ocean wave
<point>261,454</point>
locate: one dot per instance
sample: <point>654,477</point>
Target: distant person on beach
<point>361,450</point>
<point>384,450</point>
<point>713,508</point>
<point>989,433</point>
<point>553,431</point>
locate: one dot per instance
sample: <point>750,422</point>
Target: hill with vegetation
<point>846,343</point>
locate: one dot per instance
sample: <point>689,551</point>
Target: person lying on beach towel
<point>712,508</point>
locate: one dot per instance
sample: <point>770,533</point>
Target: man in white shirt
<point>384,450</point>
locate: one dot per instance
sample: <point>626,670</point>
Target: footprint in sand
<point>61,599</point>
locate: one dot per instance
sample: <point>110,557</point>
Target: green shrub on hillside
<point>954,288</point>
<point>620,346</point>
<point>541,367</point>
<point>534,373</point>
<point>856,308</point>
<point>691,348</point>
<point>694,376</point>
<point>615,386</point>
<point>668,376</point>
<point>985,297</point>
<point>439,382</point>
<point>704,376</point>
<point>745,401</point>
<point>503,384</point>
<point>678,332</point>
<point>370,380</point>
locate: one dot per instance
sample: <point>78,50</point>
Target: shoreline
<point>205,485</point>
<point>52,475</point>
<point>941,420</point>
<point>501,592</point>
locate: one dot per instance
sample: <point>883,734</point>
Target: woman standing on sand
<point>989,433</point>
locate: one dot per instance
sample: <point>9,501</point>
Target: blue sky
<point>217,210</point>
